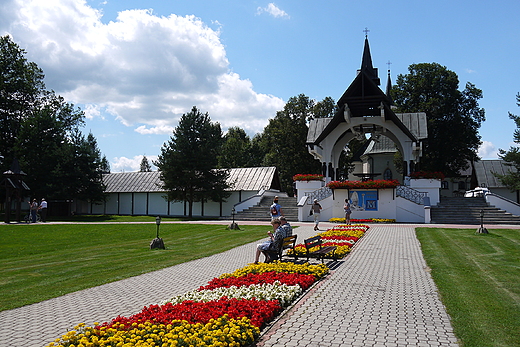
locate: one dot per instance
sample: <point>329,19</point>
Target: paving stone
<point>380,295</point>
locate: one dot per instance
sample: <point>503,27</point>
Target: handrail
<point>318,194</point>
<point>411,194</point>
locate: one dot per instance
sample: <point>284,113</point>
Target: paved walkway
<point>380,295</point>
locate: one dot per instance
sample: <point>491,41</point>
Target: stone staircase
<point>260,212</point>
<point>457,210</point>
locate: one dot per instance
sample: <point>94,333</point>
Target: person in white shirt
<point>43,210</point>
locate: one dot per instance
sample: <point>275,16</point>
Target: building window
<point>462,185</point>
<point>387,175</point>
<point>445,185</point>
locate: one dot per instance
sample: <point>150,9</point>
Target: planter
<point>418,183</point>
<point>309,185</point>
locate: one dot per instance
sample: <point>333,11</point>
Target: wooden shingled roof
<point>251,178</point>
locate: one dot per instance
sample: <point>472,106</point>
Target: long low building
<point>141,193</point>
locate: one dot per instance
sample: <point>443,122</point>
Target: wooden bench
<point>321,252</point>
<point>287,243</point>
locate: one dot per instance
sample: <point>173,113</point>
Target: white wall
<point>138,203</point>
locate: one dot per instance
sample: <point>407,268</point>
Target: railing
<point>411,194</point>
<point>319,194</point>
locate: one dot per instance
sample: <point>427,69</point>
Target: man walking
<point>43,210</point>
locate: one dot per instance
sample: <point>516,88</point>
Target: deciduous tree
<point>236,149</point>
<point>42,130</point>
<point>284,141</point>
<point>454,116</point>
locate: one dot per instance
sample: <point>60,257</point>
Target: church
<point>365,111</point>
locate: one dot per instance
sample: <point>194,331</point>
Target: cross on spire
<point>389,63</point>
<point>366,31</point>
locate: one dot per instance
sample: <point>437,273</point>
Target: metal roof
<point>484,170</point>
<point>249,178</point>
<point>382,145</point>
<point>416,122</point>
<point>132,182</point>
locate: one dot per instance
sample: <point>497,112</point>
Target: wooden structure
<point>14,190</point>
<point>365,109</point>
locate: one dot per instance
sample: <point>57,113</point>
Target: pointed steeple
<point>389,85</point>
<point>366,62</point>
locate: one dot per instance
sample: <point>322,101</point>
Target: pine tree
<point>188,161</point>
<point>145,165</point>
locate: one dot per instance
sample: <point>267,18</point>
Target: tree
<point>21,83</point>
<point>188,161</point>
<point>454,116</point>
<point>145,165</point>
<point>284,141</point>
<point>41,130</point>
<point>512,157</point>
<point>83,177</point>
<point>42,142</point>
<point>325,108</point>
<point>235,150</point>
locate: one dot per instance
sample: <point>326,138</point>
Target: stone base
<point>157,243</point>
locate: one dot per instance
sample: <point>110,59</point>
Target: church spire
<point>389,85</point>
<point>366,62</point>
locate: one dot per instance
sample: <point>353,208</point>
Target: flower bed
<point>342,236</point>
<point>229,311</point>
<point>368,220</point>
<point>308,177</point>
<point>373,184</point>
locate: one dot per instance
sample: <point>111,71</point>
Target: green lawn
<point>43,261</point>
<point>478,277</point>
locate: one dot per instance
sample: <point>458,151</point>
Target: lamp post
<point>233,225</point>
<point>158,222</point>
<point>157,242</point>
<point>482,230</point>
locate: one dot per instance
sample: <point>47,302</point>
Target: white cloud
<point>273,10</point>
<point>143,129</point>
<point>487,150</point>
<point>122,164</point>
<point>143,69</point>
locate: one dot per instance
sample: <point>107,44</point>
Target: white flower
<point>276,291</point>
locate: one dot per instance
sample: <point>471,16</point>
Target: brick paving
<point>380,295</point>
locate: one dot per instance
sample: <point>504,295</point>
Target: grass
<point>478,277</point>
<point>43,261</point>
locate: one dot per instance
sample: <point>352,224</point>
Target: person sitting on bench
<point>275,240</point>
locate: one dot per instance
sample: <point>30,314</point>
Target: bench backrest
<point>289,242</point>
<point>313,242</point>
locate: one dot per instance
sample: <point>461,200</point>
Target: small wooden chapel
<point>364,109</point>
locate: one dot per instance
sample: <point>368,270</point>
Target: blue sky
<point>136,66</point>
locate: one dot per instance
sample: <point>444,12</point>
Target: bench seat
<point>321,252</point>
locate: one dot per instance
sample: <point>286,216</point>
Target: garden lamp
<point>158,222</point>
<point>157,242</point>
<point>482,230</point>
<point>233,225</point>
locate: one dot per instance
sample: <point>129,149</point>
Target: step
<point>467,211</point>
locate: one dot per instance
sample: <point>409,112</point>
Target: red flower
<point>308,177</point>
<point>291,279</point>
<point>259,311</point>
<point>374,184</point>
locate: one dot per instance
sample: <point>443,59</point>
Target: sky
<point>135,67</point>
